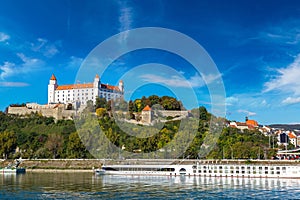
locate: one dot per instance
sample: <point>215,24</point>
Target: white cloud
<point>287,80</point>
<point>231,101</point>
<point>175,81</point>
<point>45,47</point>
<point>4,37</point>
<point>13,84</point>
<point>287,32</point>
<point>248,113</point>
<point>74,62</point>
<point>291,100</point>
<point>125,19</point>
<point>264,103</point>
<point>28,65</point>
<point>6,70</point>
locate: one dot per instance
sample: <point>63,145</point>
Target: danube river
<point>88,186</point>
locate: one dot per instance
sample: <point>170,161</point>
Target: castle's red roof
<point>53,77</point>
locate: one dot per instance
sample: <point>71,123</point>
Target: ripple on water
<point>88,186</point>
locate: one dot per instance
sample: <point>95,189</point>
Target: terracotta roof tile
<point>147,108</point>
<point>53,77</point>
<point>75,86</point>
<point>291,135</point>
<point>252,122</point>
<point>86,85</point>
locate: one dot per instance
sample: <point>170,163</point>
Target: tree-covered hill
<point>36,136</point>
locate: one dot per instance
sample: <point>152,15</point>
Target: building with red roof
<point>80,93</point>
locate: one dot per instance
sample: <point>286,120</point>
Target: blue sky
<point>254,44</point>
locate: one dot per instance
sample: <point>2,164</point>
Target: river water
<point>89,186</point>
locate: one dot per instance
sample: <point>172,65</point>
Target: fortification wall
<point>173,113</point>
<point>58,112</point>
<point>19,110</point>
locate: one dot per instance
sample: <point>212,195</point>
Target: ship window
<point>277,168</point>
<point>236,167</point>
<point>266,172</point>
<point>266,168</point>
<point>194,171</point>
<point>221,171</point>
<point>237,172</point>
<point>242,167</point>
<point>278,172</point>
<point>243,172</point>
<point>204,171</point>
<point>220,167</point>
<point>199,171</point>
<point>260,168</point>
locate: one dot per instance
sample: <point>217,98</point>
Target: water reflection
<point>87,185</point>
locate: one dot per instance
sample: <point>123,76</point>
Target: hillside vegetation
<point>35,136</point>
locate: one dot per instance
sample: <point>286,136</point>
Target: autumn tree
<point>54,144</point>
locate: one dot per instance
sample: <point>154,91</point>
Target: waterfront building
<point>79,93</point>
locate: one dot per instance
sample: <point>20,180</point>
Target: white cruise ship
<point>208,169</point>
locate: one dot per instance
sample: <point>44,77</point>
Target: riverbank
<point>87,165</point>
<point>57,165</point>
<point>59,170</point>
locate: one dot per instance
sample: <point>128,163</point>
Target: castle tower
<point>121,86</point>
<point>51,89</point>
<point>147,115</point>
<point>96,85</point>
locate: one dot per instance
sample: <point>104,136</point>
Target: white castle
<point>79,94</point>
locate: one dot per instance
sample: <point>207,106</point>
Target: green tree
<point>75,147</point>
<point>100,103</point>
<point>8,142</point>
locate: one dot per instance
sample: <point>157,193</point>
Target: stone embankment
<point>57,165</point>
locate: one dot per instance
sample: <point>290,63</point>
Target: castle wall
<point>58,112</point>
<point>173,113</point>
